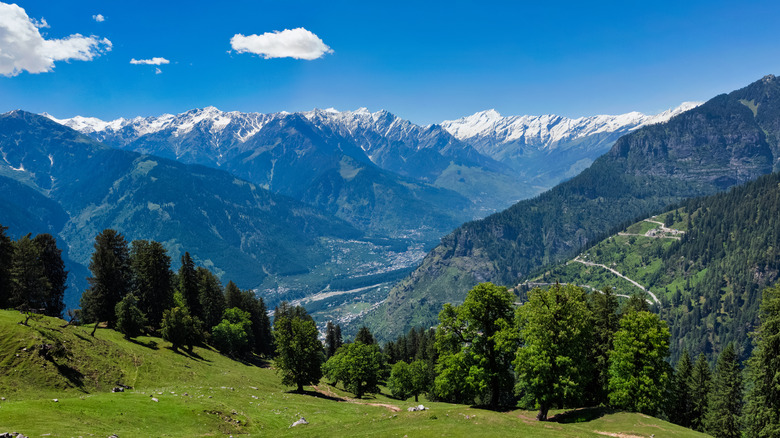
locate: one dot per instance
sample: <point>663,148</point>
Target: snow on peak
<point>547,130</point>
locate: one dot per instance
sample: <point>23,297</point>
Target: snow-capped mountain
<point>287,152</point>
<point>488,130</point>
<point>547,149</point>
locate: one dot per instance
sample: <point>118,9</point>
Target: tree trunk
<point>415,398</point>
<point>94,329</point>
<point>300,387</point>
<point>542,415</point>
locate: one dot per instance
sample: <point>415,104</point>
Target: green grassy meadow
<point>179,394</point>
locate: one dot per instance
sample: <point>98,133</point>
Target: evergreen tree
<point>299,354</point>
<point>6,258</point>
<point>700,390</point>
<point>638,372</point>
<point>29,285</point>
<point>261,326</point>
<point>153,279</point>
<point>331,344</point>
<point>111,278</point>
<point>552,362</point>
<point>188,285</point>
<point>54,270</point>
<point>762,407</point>
<point>636,303</point>
<point>337,336</point>
<point>604,307</point>
<point>725,401</point>
<point>130,320</point>
<point>680,409</point>
<point>233,297</point>
<point>212,300</point>
<point>480,332</point>
<point>364,336</point>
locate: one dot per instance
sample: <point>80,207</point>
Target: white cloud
<point>157,71</point>
<point>99,18</point>
<point>22,48</point>
<point>153,61</point>
<point>290,43</point>
<point>40,24</point>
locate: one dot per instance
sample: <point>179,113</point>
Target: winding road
<point>652,295</point>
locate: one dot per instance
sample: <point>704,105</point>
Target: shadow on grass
<point>580,415</point>
<point>148,344</point>
<point>318,395</point>
<point>186,353</point>
<point>74,376</point>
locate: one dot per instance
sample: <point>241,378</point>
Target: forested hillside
<point>706,265</point>
<point>728,140</point>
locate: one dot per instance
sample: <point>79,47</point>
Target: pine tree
<point>211,298</point>
<point>364,336</point>
<point>153,279</point>
<point>700,390</point>
<point>188,286</point>
<point>54,270</point>
<point>6,258</point>
<point>604,307</point>
<point>330,340</point>
<point>725,401</point>
<point>680,406</point>
<point>29,285</point>
<point>233,296</point>
<point>111,278</point>
<point>762,407</point>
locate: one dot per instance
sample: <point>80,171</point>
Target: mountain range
<point>63,183</point>
<point>731,139</point>
<point>277,178</point>
<point>383,174</point>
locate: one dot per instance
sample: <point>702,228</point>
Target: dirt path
<point>326,391</point>
<point>578,260</point>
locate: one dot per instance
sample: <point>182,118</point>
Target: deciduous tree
<point>299,352</point>
<point>638,372</point>
<point>480,332</point>
<point>555,334</point>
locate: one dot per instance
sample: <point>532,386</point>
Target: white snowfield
<point>548,130</point>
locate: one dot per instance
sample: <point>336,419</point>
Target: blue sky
<point>424,61</point>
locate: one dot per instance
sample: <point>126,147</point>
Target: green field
<point>206,394</point>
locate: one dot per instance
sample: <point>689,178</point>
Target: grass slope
<point>207,394</point>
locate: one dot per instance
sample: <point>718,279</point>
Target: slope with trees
<point>702,151</point>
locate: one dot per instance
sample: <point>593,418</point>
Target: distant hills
<point>61,182</point>
<point>730,139</point>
